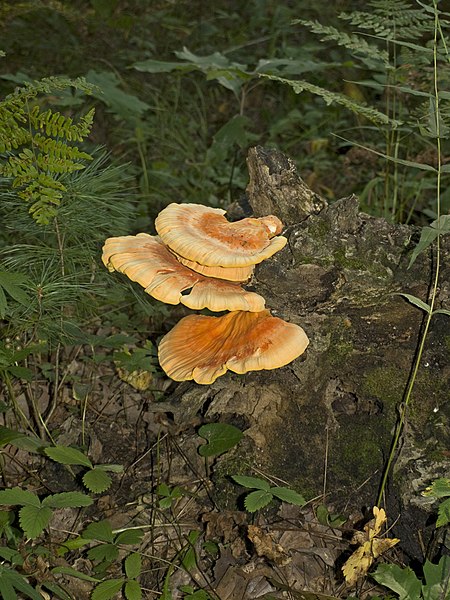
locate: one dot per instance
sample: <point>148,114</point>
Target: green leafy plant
<point>129,584</point>
<point>441,489</point>
<point>397,30</point>
<point>34,514</point>
<point>37,147</point>
<point>325,517</point>
<point>220,438</point>
<point>13,583</point>
<point>407,586</point>
<point>96,478</point>
<point>104,554</point>
<point>168,495</point>
<point>264,493</point>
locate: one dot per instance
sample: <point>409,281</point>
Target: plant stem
<point>413,376</point>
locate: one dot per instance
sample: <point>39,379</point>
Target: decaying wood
<point>324,423</point>
<point>275,188</point>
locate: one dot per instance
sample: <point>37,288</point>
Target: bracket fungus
<point>146,260</point>
<point>204,348</point>
<point>203,234</point>
<point>240,274</point>
<point>201,260</point>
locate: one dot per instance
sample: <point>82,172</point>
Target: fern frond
<point>55,124</point>
<point>59,149</point>
<point>351,42</point>
<point>328,97</point>
<point>47,86</point>
<point>391,19</point>
<point>38,148</point>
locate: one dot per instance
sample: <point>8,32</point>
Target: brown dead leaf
<point>267,547</point>
<point>371,547</point>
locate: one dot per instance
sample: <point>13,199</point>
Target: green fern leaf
<point>334,98</point>
<point>391,19</point>
<point>38,145</point>
<point>352,42</point>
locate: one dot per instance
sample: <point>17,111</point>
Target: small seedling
<point>327,518</point>
<point>34,514</point>
<point>168,495</point>
<point>128,584</point>
<point>96,478</point>
<point>264,494</point>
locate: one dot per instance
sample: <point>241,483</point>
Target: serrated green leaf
<point>108,552</point>
<point>107,589</point>
<point>66,455</point>
<point>133,590</point>
<point>34,520</point>
<point>101,530</point>
<point>402,581</point>
<point>96,480</point>
<point>73,573</point>
<point>67,500</point>
<point>287,495</point>
<point>220,437</point>
<point>256,500</point>
<point>251,482</point>
<point>417,302</point>
<point>443,513</point>
<point>17,496</point>
<point>133,565</point>
<point>131,536</point>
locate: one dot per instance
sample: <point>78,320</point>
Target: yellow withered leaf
<point>371,547</point>
<point>140,380</point>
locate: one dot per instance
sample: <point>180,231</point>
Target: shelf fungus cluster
<point>201,260</point>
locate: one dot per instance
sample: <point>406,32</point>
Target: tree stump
<point>324,423</point>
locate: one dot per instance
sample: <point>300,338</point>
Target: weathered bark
<point>329,416</point>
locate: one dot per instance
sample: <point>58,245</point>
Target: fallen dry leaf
<point>266,546</point>
<point>371,548</point>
